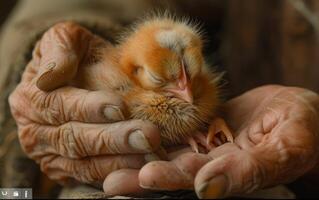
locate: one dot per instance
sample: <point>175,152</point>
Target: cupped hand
<point>71,132</point>
<point>276,141</point>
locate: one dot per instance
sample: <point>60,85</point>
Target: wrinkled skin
<point>276,131</point>
<point>277,141</point>
<point>75,134</point>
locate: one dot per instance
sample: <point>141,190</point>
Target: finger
<point>78,140</point>
<point>223,149</point>
<point>173,175</point>
<point>178,152</point>
<point>68,104</point>
<point>232,173</point>
<point>123,182</point>
<point>280,157</point>
<point>60,50</point>
<point>88,170</point>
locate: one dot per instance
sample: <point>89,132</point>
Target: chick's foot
<point>219,133</point>
<point>198,143</point>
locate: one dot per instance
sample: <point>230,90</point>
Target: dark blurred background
<point>5,8</point>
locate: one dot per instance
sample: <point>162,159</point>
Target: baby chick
<point>160,71</point>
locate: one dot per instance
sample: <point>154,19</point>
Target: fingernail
<point>215,188</point>
<point>151,157</point>
<point>44,75</point>
<point>113,113</point>
<point>48,68</point>
<point>138,141</point>
<point>50,65</point>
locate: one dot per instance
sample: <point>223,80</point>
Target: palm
<point>267,122</point>
<point>275,142</point>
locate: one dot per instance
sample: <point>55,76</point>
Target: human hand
<point>276,141</point>
<point>71,132</point>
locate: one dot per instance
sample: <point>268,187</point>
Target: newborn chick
<point>160,71</point>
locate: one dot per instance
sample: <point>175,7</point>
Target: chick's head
<point>165,56</point>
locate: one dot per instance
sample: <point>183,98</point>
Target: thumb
<point>232,173</point>
<point>56,72</point>
<point>59,52</point>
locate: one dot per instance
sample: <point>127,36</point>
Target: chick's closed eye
<point>148,79</point>
<point>155,79</point>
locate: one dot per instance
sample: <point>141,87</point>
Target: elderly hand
<point>276,142</point>
<point>71,132</point>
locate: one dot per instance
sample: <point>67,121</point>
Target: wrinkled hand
<point>276,141</point>
<point>71,132</point>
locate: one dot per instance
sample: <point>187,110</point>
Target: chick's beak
<point>183,87</point>
<point>182,92</point>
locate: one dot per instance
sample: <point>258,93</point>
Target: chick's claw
<point>191,141</point>
<point>201,139</point>
<point>218,134</point>
<point>198,143</point>
<point>219,126</point>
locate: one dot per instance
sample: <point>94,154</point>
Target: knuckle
<point>13,98</point>
<point>252,174</point>
<point>32,143</point>
<point>52,107</point>
<point>93,172</point>
<point>86,171</point>
<point>256,173</point>
<point>16,101</point>
<point>66,24</point>
<point>284,153</point>
<point>295,151</point>
<point>120,162</point>
<point>52,171</point>
<point>83,106</point>
<point>67,144</point>
<point>27,140</point>
<point>14,104</point>
<point>299,157</point>
<point>46,164</point>
<point>58,33</point>
<point>67,33</point>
